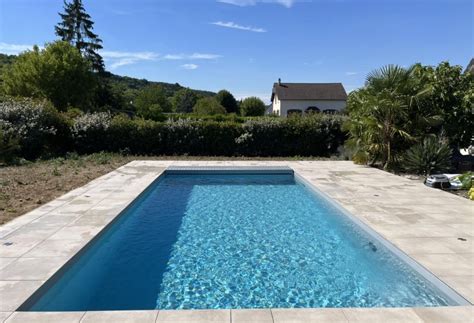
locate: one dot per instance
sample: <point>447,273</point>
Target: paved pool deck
<point>434,228</point>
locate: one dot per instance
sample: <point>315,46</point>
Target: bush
<point>208,106</point>
<point>89,132</point>
<point>430,156</point>
<point>318,135</point>
<point>9,146</point>
<point>315,135</point>
<point>466,180</point>
<point>252,106</point>
<point>40,129</point>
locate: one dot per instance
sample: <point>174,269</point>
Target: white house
<point>300,98</point>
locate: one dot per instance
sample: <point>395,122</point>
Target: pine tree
<point>76,28</point>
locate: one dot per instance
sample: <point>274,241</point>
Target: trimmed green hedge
<point>41,131</point>
<point>318,135</point>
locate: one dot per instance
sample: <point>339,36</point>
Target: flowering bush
<point>89,131</point>
<point>310,136</point>
<point>40,129</point>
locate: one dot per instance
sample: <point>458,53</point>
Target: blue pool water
<point>234,241</point>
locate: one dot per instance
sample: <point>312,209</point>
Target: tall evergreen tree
<point>76,28</point>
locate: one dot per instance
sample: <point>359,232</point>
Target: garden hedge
<point>42,131</point>
<point>319,135</point>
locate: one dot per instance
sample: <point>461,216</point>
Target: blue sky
<point>246,45</point>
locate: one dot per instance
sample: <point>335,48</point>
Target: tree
<point>184,101</point>
<point>208,106</point>
<point>399,107</point>
<point>450,95</point>
<point>151,102</point>
<point>252,106</point>
<point>377,128</point>
<point>227,100</point>
<point>76,28</point>
<point>58,73</point>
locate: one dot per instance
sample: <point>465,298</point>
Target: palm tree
<point>379,114</point>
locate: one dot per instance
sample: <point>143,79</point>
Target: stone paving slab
<point>433,227</point>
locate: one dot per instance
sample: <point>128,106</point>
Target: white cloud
<point>189,66</point>
<point>351,73</point>
<point>233,25</point>
<point>116,59</point>
<point>245,3</point>
<point>13,49</point>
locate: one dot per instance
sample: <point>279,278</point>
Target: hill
<point>126,83</point>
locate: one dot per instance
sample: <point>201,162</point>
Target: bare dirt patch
<point>23,188</point>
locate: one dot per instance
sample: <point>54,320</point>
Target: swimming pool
<point>262,239</point>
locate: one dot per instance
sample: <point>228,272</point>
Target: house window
<point>312,110</point>
<point>294,112</point>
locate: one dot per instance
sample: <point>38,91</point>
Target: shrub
<point>252,106</point>
<point>318,135</point>
<point>9,146</point>
<point>315,135</point>
<point>40,129</point>
<point>427,157</point>
<point>208,106</point>
<point>89,132</point>
<point>466,180</point>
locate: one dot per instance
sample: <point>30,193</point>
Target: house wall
<point>276,105</point>
<point>281,107</point>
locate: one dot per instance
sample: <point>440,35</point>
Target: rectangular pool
<point>243,239</point>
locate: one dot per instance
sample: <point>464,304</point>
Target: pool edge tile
<point>195,316</point>
<point>46,317</point>
<point>303,315</point>
<point>120,316</point>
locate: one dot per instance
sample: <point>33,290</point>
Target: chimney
<point>279,81</point>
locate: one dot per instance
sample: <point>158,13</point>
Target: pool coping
<point>102,200</point>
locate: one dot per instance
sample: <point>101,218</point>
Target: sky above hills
<point>246,45</point>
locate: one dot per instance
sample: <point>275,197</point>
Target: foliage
<point>252,106</point>
<point>184,100</point>
<point>76,28</point>
<point>89,131</point>
<point>450,95</point>
<point>466,180</point>
<point>400,106</point>
<point>377,126</point>
<point>114,92</point>
<point>227,100</point>
<point>57,73</point>
<point>430,156</point>
<point>151,103</point>
<point>9,147</point>
<point>208,106</point>
<point>133,85</point>
<point>318,135</point>
<point>40,129</point>
<point>232,117</point>
<point>5,62</point>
